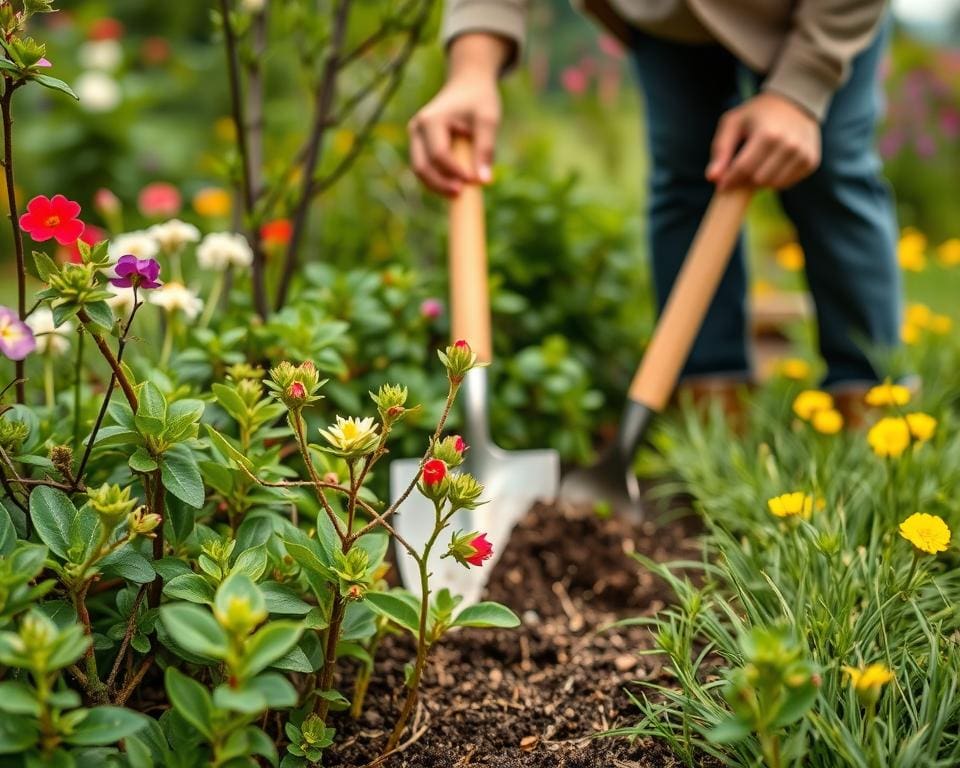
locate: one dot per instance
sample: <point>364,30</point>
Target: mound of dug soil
<point>533,696</point>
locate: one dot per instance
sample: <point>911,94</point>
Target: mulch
<point>537,696</point>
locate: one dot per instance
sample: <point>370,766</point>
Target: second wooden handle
<point>469,293</point>
<point>690,298</point>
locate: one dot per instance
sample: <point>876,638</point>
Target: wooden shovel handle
<point>690,298</point>
<point>469,294</point>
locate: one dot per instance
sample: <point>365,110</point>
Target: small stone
<point>496,677</point>
<point>531,618</point>
<point>527,743</point>
<point>570,713</point>
<point>625,662</point>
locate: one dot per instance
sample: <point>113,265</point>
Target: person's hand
<point>464,106</point>
<point>468,105</point>
<point>768,141</point>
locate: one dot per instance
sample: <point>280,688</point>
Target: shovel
<point>512,480</point>
<point>612,481</point>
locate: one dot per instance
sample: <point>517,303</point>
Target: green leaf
<point>17,698</point>
<point>71,645</point>
<point>295,660</point>
<point>252,562</point>
<point>239,586</point>
<point>52,514</point>
<point>729,731</point>
<point>181,475</point>
<point>394,608</point>
<point>487,615</point>
<point>182,419</point>
<point>44,264</point>
<point>280,599</point>
<point>276,689</point>
<point>8,534</point>
<point>230,401</point>
<point>152,409</point>
<point>100,313</point>
<point>141,461</point>
<point>17,734</point>
<point>223,445</point>
<point>116,434</point>
<point>105,725</point>
<point>191,700</point>
<point>248,701</point>
<point>191,587</point>
<point>271,642</point>
<point>128,564</point>
<point>195,629</point>
<point>54,84</point>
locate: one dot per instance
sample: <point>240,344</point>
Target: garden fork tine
<point>611,480</point>
<point>512,480</point>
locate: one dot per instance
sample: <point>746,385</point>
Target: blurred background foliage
<point>570,293</point>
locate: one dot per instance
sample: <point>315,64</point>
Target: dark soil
<point>534,696</point>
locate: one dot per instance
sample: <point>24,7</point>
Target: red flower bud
<point>395,410</point>
<point>434,471</point>
<point>461,344</point>
<point>482,550</point>
<point>296,391</point>
<point>460,444</point>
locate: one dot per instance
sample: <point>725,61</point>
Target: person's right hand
<point>465,106</point>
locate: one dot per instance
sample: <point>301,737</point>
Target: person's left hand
<point>768,141</point>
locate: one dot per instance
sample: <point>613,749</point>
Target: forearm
<point>478,54</point>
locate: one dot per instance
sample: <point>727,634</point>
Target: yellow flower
<point>911,251</point>
<point>794,368</point>
<point>810,401</point>
<point>867,681</point>
<point>827,422</point>
<point>791,505</point>
<point>225,129</point>
<point>948,253</point>
<point>887,394</point>
<point>918,314</point>
<point>762,288</point>
<point>212,202</point>
<point>941,324</point>
<point>889,437</point>
<point>928,533</point>
<point>921,425</point>
<point>909,334</point>
<point>790,257</point>
<point>352,437</point>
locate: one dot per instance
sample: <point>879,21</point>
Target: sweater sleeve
<point>506,18</point>
<point>815,58</point>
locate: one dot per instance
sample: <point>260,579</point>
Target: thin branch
<point>389,27</point>
<point>6,100</point>
<point>127,636</point>
<point>110,358</point>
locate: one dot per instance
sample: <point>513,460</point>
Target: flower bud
<point>391,400</point>
<point>239,618</point>
<point>458,359</point>
<point>61,456</point>
<point>142,523</point>
<point>295,385</point>
<point>12,435</point>
<point>111,504</point>
<point>450,450</point>
<point>464,491</point>
<point>470,549</point>
<point>353,569</point>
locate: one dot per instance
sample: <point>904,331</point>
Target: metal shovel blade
<point>513,481</point>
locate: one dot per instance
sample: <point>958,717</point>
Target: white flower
<point>105,55</point>
<point>173,296</point>
<point>50,338</point>
<point>220,250</point>
<point>172,235</point>
<point>141,244</point>
<point>122,301</point>
<point>352,436</point>
<point>97,91</point>
<point>253,6</point>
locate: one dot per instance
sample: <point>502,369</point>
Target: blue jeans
<point>843,212</point>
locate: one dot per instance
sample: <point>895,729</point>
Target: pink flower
<point>431,309</point>
<point>136,273</point>
<point>91,235</point>
<point>482,550</point>
<point>296,391</point>
<point>574,81</point>
<point>159,200</point>
<point>460,444</point>
<point>43,62</point>
<point>52,217</point>
<point>16,338</point>
<point>107,203</point>
<point>433,472</point>
<point>611,46</point>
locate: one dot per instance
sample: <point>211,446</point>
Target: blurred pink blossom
<point>431,309</point>
<point>574,81</point>
<point>611,46</point>
<point>159,200</point>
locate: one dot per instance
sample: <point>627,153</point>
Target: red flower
<point>105,29</point>
<point>52,217</point>
<point>91,235</point>
<point>296,391</point>
<point>434,471</point>
<point>159,199</point>
<point>461,344</point>
<point>277,232</point>
<point>460,444</point>
<point>482,550</point>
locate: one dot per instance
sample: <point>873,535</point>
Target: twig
<point>131,684</point>
<point>110,358</point>
<point>423,714</point>
<point>6,99</point>
<point>127,635</point>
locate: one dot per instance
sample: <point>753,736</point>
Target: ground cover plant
<point>820,628</point>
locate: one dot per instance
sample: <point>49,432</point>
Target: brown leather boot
<point>728,391</point>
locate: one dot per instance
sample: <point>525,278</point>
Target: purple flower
<point>16,338</point>
<point>133,272</point>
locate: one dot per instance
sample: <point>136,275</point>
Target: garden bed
<point>534,696</point>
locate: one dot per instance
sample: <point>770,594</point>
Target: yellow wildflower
<point>928,533</point>
<point>212,202</point>
<point>352,437</point>
<point>791,505</point>
<point>889,437</point>
<point>911,251</point>
<point>921,425</point>
<point>887,394</point>
<point>762,288</point>
<point>948,253</point>
<point>794,368</point>
<point>909,334</point>
<point>790,257</point>
<point>827,422</point>
<point>867,681</point>
<point>941,324</point>
<point>810,401</point>
<point>918,314</point>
